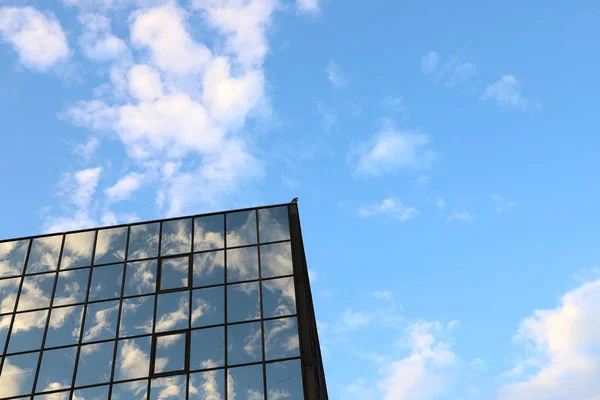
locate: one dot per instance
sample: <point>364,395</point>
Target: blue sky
<point>445,157</point>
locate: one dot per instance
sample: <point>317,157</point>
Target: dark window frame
<point>186,361</point>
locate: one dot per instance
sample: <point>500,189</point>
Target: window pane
<point>95,363</point>
<point>241,228</point>
<point>242,264</point>
<point>55,396</point>
<point>143,241</point>
<point>130,391</point>
<point>12,257</point>
<point>95,393</point>
<point>170,353</point>
<point>284,380</point>
<point>78,250</point>
<point>279,298</point>
<point>281,338</point>
<point>27,331</point>
<point>71,287</point>
<point>209,232</point>
<point>4,324</point>
<point>133,359</point>
<point>209,268</point>
<point>244,343</point>
<point>207,348</point>
<point>207,385</point>
<point>208,306</point>
<point>168,388</point>
<point>8,294</point>
<point>110,245</point>
<point>101,321</point>
<point>65,326</point>
<point>172,311</point>
<point>245,383</point>
<point>136,316</point>
<point>174,273</point>
<point>273,224</point>
<point>44,254</point>
<point>17,374</point>
<point>36,292</point>
<point>106,282</point>
<point>243,302</point>
<point>56,370</point>
<point>140,277</point>
<point>176,237</point>
<point>276,260</point>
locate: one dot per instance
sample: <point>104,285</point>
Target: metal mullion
<point>45,334</point>
<point>188,343</point>
<point>114,360</point>
<point>12,320</point>
<point>156,286</point>
<point>226,383</point>
<point>262,321</point>
<point>82,329</point>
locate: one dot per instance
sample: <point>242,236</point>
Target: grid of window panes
<point>201,308</point>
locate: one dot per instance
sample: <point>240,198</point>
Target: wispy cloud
<point>329,119</point>
<point>430,62</point>
<point>502,203</point>
<point>440,203</point>
<point>125,186</point>
<point>460,216</point>
<point>308,6</point>
<point>335,75</point>
<point>453,72</point>
<point>391,207</point>
<point>36,36</point>
<point>395,105</point>
<point>506,92</point>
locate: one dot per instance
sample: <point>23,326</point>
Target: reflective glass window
<point>64,395</point>
<point>276,260</point>
<point>12,257</point>
<point>209,268</point>
<point>8,294</point>
<point>279,297</point>
<point>243,302</point>
<point>241,228</point>
<point>244,343</point>
<point>136,316</point>
<point>207,348</point>
<point>106,282</point>
<point>71,287</point>
<point>284,380</point>
<point>95,363</point>
<point>170,351</point>
<point>136,390</point>
<point>281,338</point>
<point>273,224</point>
<point>95,393</point>
<point>174,272</point>
<point>209,232</point>
<point>143,241</point>
<point>65,326</point>
<point>208,306</point>
<point>245,383</point>
<point>172,311</point>
<point>110,245</point>
<point>56,370</point>
<point>18,374</point>
<point>140,277</point>
<point>176,237</point>
<point>133,358</point>
<point>242,264</point>
<point>27,331</point>
<point>4,324</point>
<point>101,321</point>
<point>36,291</point>
<point>44,253</point>
<point>78,250</point>
<point>172,387</point>
<point>207,385</point>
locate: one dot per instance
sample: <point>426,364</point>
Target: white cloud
<point>507,92</point>
<point>144,83</point>
<point>460,215</point>
<point>125,186</point>
<point>87,150</point>
<point>329,119</point>
<point>391,150</point>
<point>561,359</point>
<point>335,75</point>
<point>395,105</point>
<point>37,37</point>
<point>502,203</point>
<point>390,207</point>
<point>308,6</point>
<point>97,41</point>
<point>384,295</point>
<point>430,62</point>
<point>461,73</point>
<point>440,203</point>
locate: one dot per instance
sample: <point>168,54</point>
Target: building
<point>213,306</point>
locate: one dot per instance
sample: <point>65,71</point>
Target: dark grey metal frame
<point>310,357</point>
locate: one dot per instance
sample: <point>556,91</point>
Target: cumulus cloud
<point>37,37</point>
<point>391,207</point>
<point>507,93</point>
<point>97,41</point>
<point>125,186</point>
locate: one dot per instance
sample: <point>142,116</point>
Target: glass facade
<point>202,307</point>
